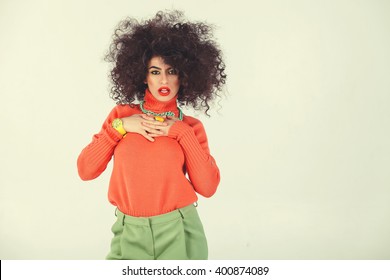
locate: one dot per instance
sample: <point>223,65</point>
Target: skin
<point>159,74</point>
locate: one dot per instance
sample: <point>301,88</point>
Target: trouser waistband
<point>163,218</point>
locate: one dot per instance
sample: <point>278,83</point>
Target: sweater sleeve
<point>94,158</point>
<point>202,169</point>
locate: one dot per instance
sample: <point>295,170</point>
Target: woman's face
<point>162,80</point>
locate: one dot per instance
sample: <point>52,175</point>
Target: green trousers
<point>177,235</point>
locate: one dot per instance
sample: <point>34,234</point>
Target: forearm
<point>201,166</point>
<point>94,158</point>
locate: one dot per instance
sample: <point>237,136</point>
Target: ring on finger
<point>159,118</point>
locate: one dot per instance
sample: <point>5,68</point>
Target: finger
<point>148,137</point>
<point>172,118</point>
<point>155,135</point>
<point>147,117</point>
<point>152,131</point>
<point>154,124</point>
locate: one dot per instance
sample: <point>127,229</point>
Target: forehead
<point>159,62</point>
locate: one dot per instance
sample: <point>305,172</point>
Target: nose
<point>164,79</point>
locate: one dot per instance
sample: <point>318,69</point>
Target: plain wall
<point>301,138</point>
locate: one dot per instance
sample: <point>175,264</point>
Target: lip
<point>164,91</point>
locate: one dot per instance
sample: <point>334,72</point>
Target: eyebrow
<point>158,68</point>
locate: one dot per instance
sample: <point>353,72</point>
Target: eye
<point>154,72</point>
<point>172,71</point>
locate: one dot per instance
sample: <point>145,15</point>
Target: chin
<point>165,98</point>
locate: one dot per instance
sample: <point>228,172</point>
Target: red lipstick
<point>164,91</point>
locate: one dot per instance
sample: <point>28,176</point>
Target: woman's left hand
<point>164,129</point>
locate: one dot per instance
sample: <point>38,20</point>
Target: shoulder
<point>195,123</point>
<point>191,121</point>
<point>125,110</point>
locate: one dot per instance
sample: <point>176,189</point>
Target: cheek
<point>176,82</point>
<point>149,80</point>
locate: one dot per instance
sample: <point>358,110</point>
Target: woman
<point>161,62</point>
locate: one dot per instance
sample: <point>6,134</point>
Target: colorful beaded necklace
<point>164,114</point>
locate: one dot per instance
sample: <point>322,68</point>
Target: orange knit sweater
<point>149,178</point>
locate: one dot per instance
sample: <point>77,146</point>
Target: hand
<point>163,130</point>
<point>144,125</point>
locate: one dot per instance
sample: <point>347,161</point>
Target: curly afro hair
<point>188,47</point>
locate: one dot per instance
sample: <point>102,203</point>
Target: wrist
<point>178,129</point>
<point>117,124</point>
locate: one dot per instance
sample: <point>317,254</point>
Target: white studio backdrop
<point>301,138</point>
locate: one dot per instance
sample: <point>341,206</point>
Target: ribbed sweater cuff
<point>113,135</point>
<point>179,129</point>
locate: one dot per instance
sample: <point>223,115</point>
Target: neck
<point>154,105</point>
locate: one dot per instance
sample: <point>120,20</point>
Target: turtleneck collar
<point>154,105</point>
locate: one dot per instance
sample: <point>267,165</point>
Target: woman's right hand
<point>135,124</point>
